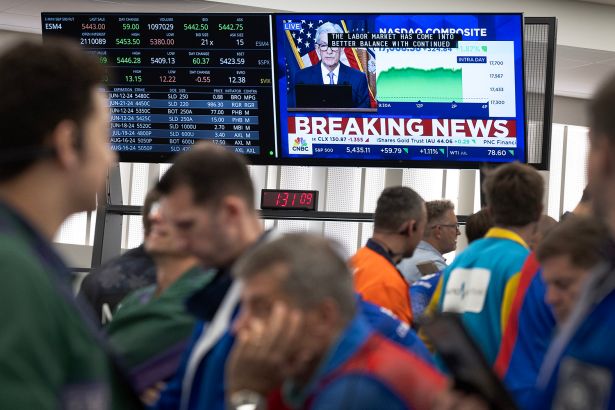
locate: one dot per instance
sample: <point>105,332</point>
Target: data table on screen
<point>175,80</point>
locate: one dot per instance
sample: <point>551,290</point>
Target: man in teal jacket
<point>481,282</point>
<point>54,156</point>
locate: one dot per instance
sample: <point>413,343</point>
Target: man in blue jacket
<point>578,370</point>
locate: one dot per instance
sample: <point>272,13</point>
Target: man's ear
<point>62,139</point>
<point>413,226</point>
<point>231,207</point>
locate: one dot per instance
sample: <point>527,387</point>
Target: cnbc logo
<point>300,146</point>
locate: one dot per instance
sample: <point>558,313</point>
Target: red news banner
<point>414,131</point>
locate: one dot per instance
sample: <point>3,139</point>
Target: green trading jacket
<point>150,333</point>
<point>50,357</point>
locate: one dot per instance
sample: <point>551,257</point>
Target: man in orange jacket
<point>399,223</point>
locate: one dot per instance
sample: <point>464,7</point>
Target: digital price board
<point>177,79</point>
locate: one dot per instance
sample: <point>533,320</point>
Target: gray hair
<point>435,212</point>
<point>316,270</point>
<point>327,28</point>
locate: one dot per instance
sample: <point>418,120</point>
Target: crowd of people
<point>214,312</point>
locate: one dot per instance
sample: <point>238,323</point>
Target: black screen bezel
<point>339,162</point>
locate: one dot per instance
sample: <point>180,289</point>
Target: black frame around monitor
<point>393,163</point>
<point>543,165</point>
<point>549,93</point>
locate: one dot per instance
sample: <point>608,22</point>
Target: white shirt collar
<point>325,73</point>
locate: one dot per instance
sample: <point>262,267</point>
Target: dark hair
<point>514,194</point>
<point>396,205</point>
<point>151,198</point>
<point>211,172</point>
<point>478,224</point>
<point>601,118</point>
<point>40,86</point>
<point>316,269</point>
<point>579,237</point>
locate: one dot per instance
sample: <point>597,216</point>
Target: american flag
<point>301,51</point>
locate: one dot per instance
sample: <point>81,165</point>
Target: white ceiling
<point>609,2</point>
<point>578,70</point>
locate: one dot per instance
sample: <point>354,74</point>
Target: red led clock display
<point>289,199</point>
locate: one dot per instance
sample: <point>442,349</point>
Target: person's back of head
<point>514,195</point>
<point>544,225</point>
<point>478,224</point>
<point>395,206</point>
<point>42,86</point>
<point>211,172</point>
<point>399,221</point>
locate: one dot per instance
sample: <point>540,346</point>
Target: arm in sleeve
<point>363,93</point>
<point>357,392</point>
<point>171,396</point>
<point>391,298</point>
<point>32,370</point>
<point>431,309</point>
<point>510,291</point>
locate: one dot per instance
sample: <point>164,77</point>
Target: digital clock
<point>289,199</point>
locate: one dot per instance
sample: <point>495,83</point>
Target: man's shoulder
<point>20,263</point>
<point>351,70</point>
<point>308,72</point>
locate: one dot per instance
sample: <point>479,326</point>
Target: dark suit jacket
<point>347,75</point>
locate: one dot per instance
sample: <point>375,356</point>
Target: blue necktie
<point>331,75</point>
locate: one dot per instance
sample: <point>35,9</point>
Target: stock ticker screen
<point>387,90</point>
<point>178,79</point>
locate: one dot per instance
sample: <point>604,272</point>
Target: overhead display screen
<point>178,79</point>
<point>431,89</point>
<point>387,90</point>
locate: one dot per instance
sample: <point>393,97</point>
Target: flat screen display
<point>177,79</point>
<point>434,90</point>
<point>384,90</point>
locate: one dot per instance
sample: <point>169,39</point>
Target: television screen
<point>175,79</point>
<point>394,90</point>
<point>420,90</point>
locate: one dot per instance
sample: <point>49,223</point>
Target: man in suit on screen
<point>332,71</point>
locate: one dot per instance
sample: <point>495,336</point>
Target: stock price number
<point>196,27</point>
<point>358,150</point>
<point>237,80</point>
<point>232,61</point>
<point>391,150</point>
<point>230,27</point>
<point>497,152</point>
<point>130,41</point>
<point>162,60</point>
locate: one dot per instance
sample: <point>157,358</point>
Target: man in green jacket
<point>54,156</point>
<point>151,327</point>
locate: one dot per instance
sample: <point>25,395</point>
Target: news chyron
<point>438,88</point>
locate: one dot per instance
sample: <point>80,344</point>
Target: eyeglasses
<point>456,226</point>
<point>325,47</point>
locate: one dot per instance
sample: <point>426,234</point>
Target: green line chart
<point>411,84</point>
